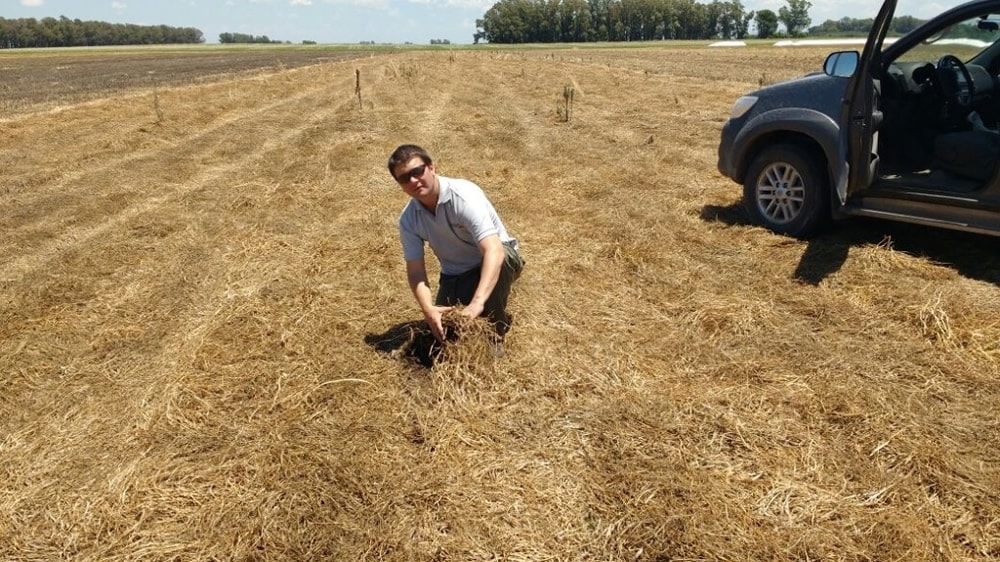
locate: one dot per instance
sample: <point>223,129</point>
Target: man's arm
<point>493,256</point>
<point>416,275</point>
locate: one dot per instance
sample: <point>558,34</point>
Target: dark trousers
<point>459,289</point>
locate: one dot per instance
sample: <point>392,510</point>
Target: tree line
<point>571,21</point>
<point>225,38</point>
<point>849,26</point>
<point>64,32</point>
<point>507,21</point>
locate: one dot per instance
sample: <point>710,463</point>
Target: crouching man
<point>479,259</point>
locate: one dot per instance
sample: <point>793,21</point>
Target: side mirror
<point>842,63</point>
<point>988,25</point>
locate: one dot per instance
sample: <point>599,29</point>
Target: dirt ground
<point>203,310</point>
<point>52,77</point>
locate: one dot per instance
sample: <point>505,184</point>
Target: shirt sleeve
<point>413,245</point>
<point>476,212</point>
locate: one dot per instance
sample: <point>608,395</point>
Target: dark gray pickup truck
<point>907,132</point>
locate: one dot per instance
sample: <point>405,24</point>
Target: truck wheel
<point>786,191</point>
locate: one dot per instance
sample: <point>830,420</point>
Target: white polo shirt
<point>464,217</point>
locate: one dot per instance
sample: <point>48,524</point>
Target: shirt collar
<point>444,191</point>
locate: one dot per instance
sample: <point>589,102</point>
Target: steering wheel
<point>956,82</point>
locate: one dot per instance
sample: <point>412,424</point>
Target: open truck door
<point>861,114</point>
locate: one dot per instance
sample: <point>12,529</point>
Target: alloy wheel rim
<point>780,192</point>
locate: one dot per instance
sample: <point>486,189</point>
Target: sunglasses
<point>408,175</point>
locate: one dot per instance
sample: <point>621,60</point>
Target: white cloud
<point>482,5</point>
<point>379,4</point>
<point>301,2</point>
<point>116,5</point>
<point>32,3</point>
<point>391,5</point>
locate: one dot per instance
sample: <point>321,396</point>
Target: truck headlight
<point>742,106</point>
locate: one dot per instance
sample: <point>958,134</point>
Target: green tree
<point>545,21</point>
<point>717,22</point>
<point>64,32</point>
<point>902,24</point>
<point>733,19</point>
<point>577,23</point>
<point>510,21</point>
<point>767,23</point>
<point>694,20</point>
<point>795,16</point>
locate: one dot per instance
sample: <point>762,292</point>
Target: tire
<point>787,191</point>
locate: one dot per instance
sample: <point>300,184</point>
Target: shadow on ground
<point>411,340</point>
<point>975,256</point>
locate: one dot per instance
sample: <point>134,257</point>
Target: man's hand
<point>434,315</point>
<point>416,274</point>
<point>493,256</point>
<point>472,311</point>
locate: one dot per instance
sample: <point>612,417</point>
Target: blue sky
<point>351,21</point>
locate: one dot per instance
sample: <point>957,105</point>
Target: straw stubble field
<point>202,288</point>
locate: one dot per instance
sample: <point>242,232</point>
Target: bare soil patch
<point>43,80</point>
<point>199,307</point>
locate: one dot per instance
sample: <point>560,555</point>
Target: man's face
<point>416,178</point>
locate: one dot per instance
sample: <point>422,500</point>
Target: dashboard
<point>916,78</point>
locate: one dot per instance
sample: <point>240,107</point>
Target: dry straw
<point>197,323</point>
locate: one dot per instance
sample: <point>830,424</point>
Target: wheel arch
<point>813,131</point>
